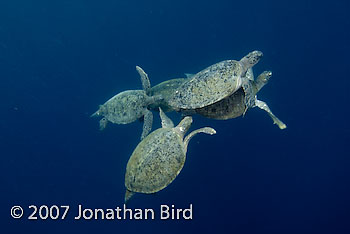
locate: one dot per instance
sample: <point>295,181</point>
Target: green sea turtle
<point>159,158</point>
<point>240,101</point>
<point>128,106</point>
<point>165,89</point>
<point>213,83</point>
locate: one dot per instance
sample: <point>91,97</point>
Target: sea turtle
<point>166,90</point>
<point>213,83</point>
<point>159,158</point>
<point>240,101</point>
<point>128,106</point>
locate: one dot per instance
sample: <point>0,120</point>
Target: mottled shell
<point>234,105</point>
<point>155,162</point>
<point>125,107</point>
<point>166,89</point>
<point>208,86</point>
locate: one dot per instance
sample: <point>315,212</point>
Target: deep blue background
<point>60,59</point>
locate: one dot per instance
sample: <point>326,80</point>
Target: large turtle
<point>213,83</point>
<point>159,158</point>
<point>240,101</point>
<point>128,106</point>
<point>165,89</point>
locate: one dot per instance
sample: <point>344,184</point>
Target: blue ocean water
<point>60,59</point>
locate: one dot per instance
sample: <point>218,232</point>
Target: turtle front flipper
<point>146,84</point>
<point>262,105</point>
<point>147,124</point>
<point>207,130</point>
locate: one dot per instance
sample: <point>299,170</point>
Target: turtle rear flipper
<point>128,195</point>
<point>147,124</point>
<point>103,123</point>
<point>262,105</point>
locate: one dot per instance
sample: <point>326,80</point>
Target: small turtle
<point>165,89</point>
<point>159,158</point>
<point>240,101</point>
<point>213,83</point>
<point>128,106</point>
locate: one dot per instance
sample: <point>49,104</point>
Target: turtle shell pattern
<point>155,162</point>
<point>125,107</point>
<point>208,86</point>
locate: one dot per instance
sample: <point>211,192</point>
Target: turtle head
<point>250,60</point>
<point>98,112</point>
<point>184,125</point>
<point>262,80</point>
<point>265,76</point>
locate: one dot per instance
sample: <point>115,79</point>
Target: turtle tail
<point>128,195</point>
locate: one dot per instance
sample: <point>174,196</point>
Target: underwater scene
<point>174,116</point>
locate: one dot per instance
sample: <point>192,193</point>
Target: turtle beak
<point>97,113</point>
